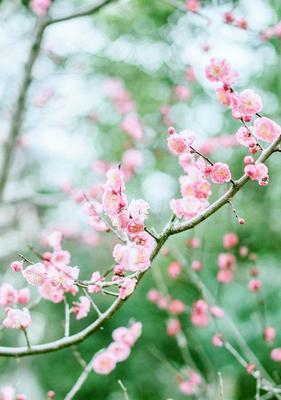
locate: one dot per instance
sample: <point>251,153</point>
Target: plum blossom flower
<point>35,274</point>
<point>104,363</point>
<point>8,295</point>
<point>254,285</point>
<point>132,257</point>
<point>176,307</point>
<point>199,315</point>
<point>174,269</point>
<point>119,350</point>
<point>265,129</point>
<point>249,104</point>
<point>23,296</point>
<point>193,5</point>
<point>269,334</point>
<point>127,287</point>
<point>276,354</point>
<point>7,393</point>
<point>220,173</point>
<point>96,279</point>
<point>40,7</point>
<point>230,240</point>
<point>173,327</point>
<point>220,71</point>
<point>256,172</point>
<point>178,143</point>
<point>82,308</point>
<point>17,319</point>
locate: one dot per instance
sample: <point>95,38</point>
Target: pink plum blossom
<point>127,287</point>
<point>276,354</point>
<point>82,308</point>
<point>132,257</point>
<point>265,129</point>
<point>199,315</point>
<point>8,295</point>
<point>17,319</point>
<point>35,274</point>
<point>173,327</point>
<point>104,363</point>
<point>230,240</point>
<point>119,350</point>
<point>40,7</point>
<point>220,173</point>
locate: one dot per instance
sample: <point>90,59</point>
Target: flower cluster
<point>200,313</point>
<point>9,296</point>
<point>246,106</point>
<point>195,187</point>
<point>53,276</point>
<point>119,350</point>
<point>173,306</point>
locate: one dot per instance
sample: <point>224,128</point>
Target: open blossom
<point>119,350</point>
<point>40,7</point>
<point>176,307</point>
<point>8,295</point>
<point>132,126</point>
<point>244,137</point>
<point>220,71</point>
<point>60,257</point>
<point>138,209</point>
<point>276,354</point>
<point>132,257</point>
<point>35,274</point>
<point>226,261</point>
<point>230,240</point>
<point>187,207</point>
<point>249,103</point>
<point>96,279</point>
<point>173,327</point>
<point>54,239</point>
<point>50,292</point>
<point>127,287</point>
<point>17,319</point>
<point>256,171</point>
<point>23,296</point>
<point>269,334</point>
<point>178,143</point>
<point>220,173</point>
<point>199,315</point>
<point>193,5</point>
<point>63,276</point>
<point>104,363</point>
<point>81,308</point>
<point>254,285</point>
<point>7,393</point>
<point>174,269</point>
<point>265,129</point>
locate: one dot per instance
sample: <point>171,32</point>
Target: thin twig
<point>82,378</point>
<point>66,318</point>
<point>123,387</point>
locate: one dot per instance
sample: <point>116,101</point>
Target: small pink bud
<point>171,130</point>
<point>17,266</point>
<point>241,221</point>
<point>51,394</point>
<point>248,160</point>
<point>254,285</point>
<point>250,368</point>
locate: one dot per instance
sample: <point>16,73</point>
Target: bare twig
<point>82,378</point>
